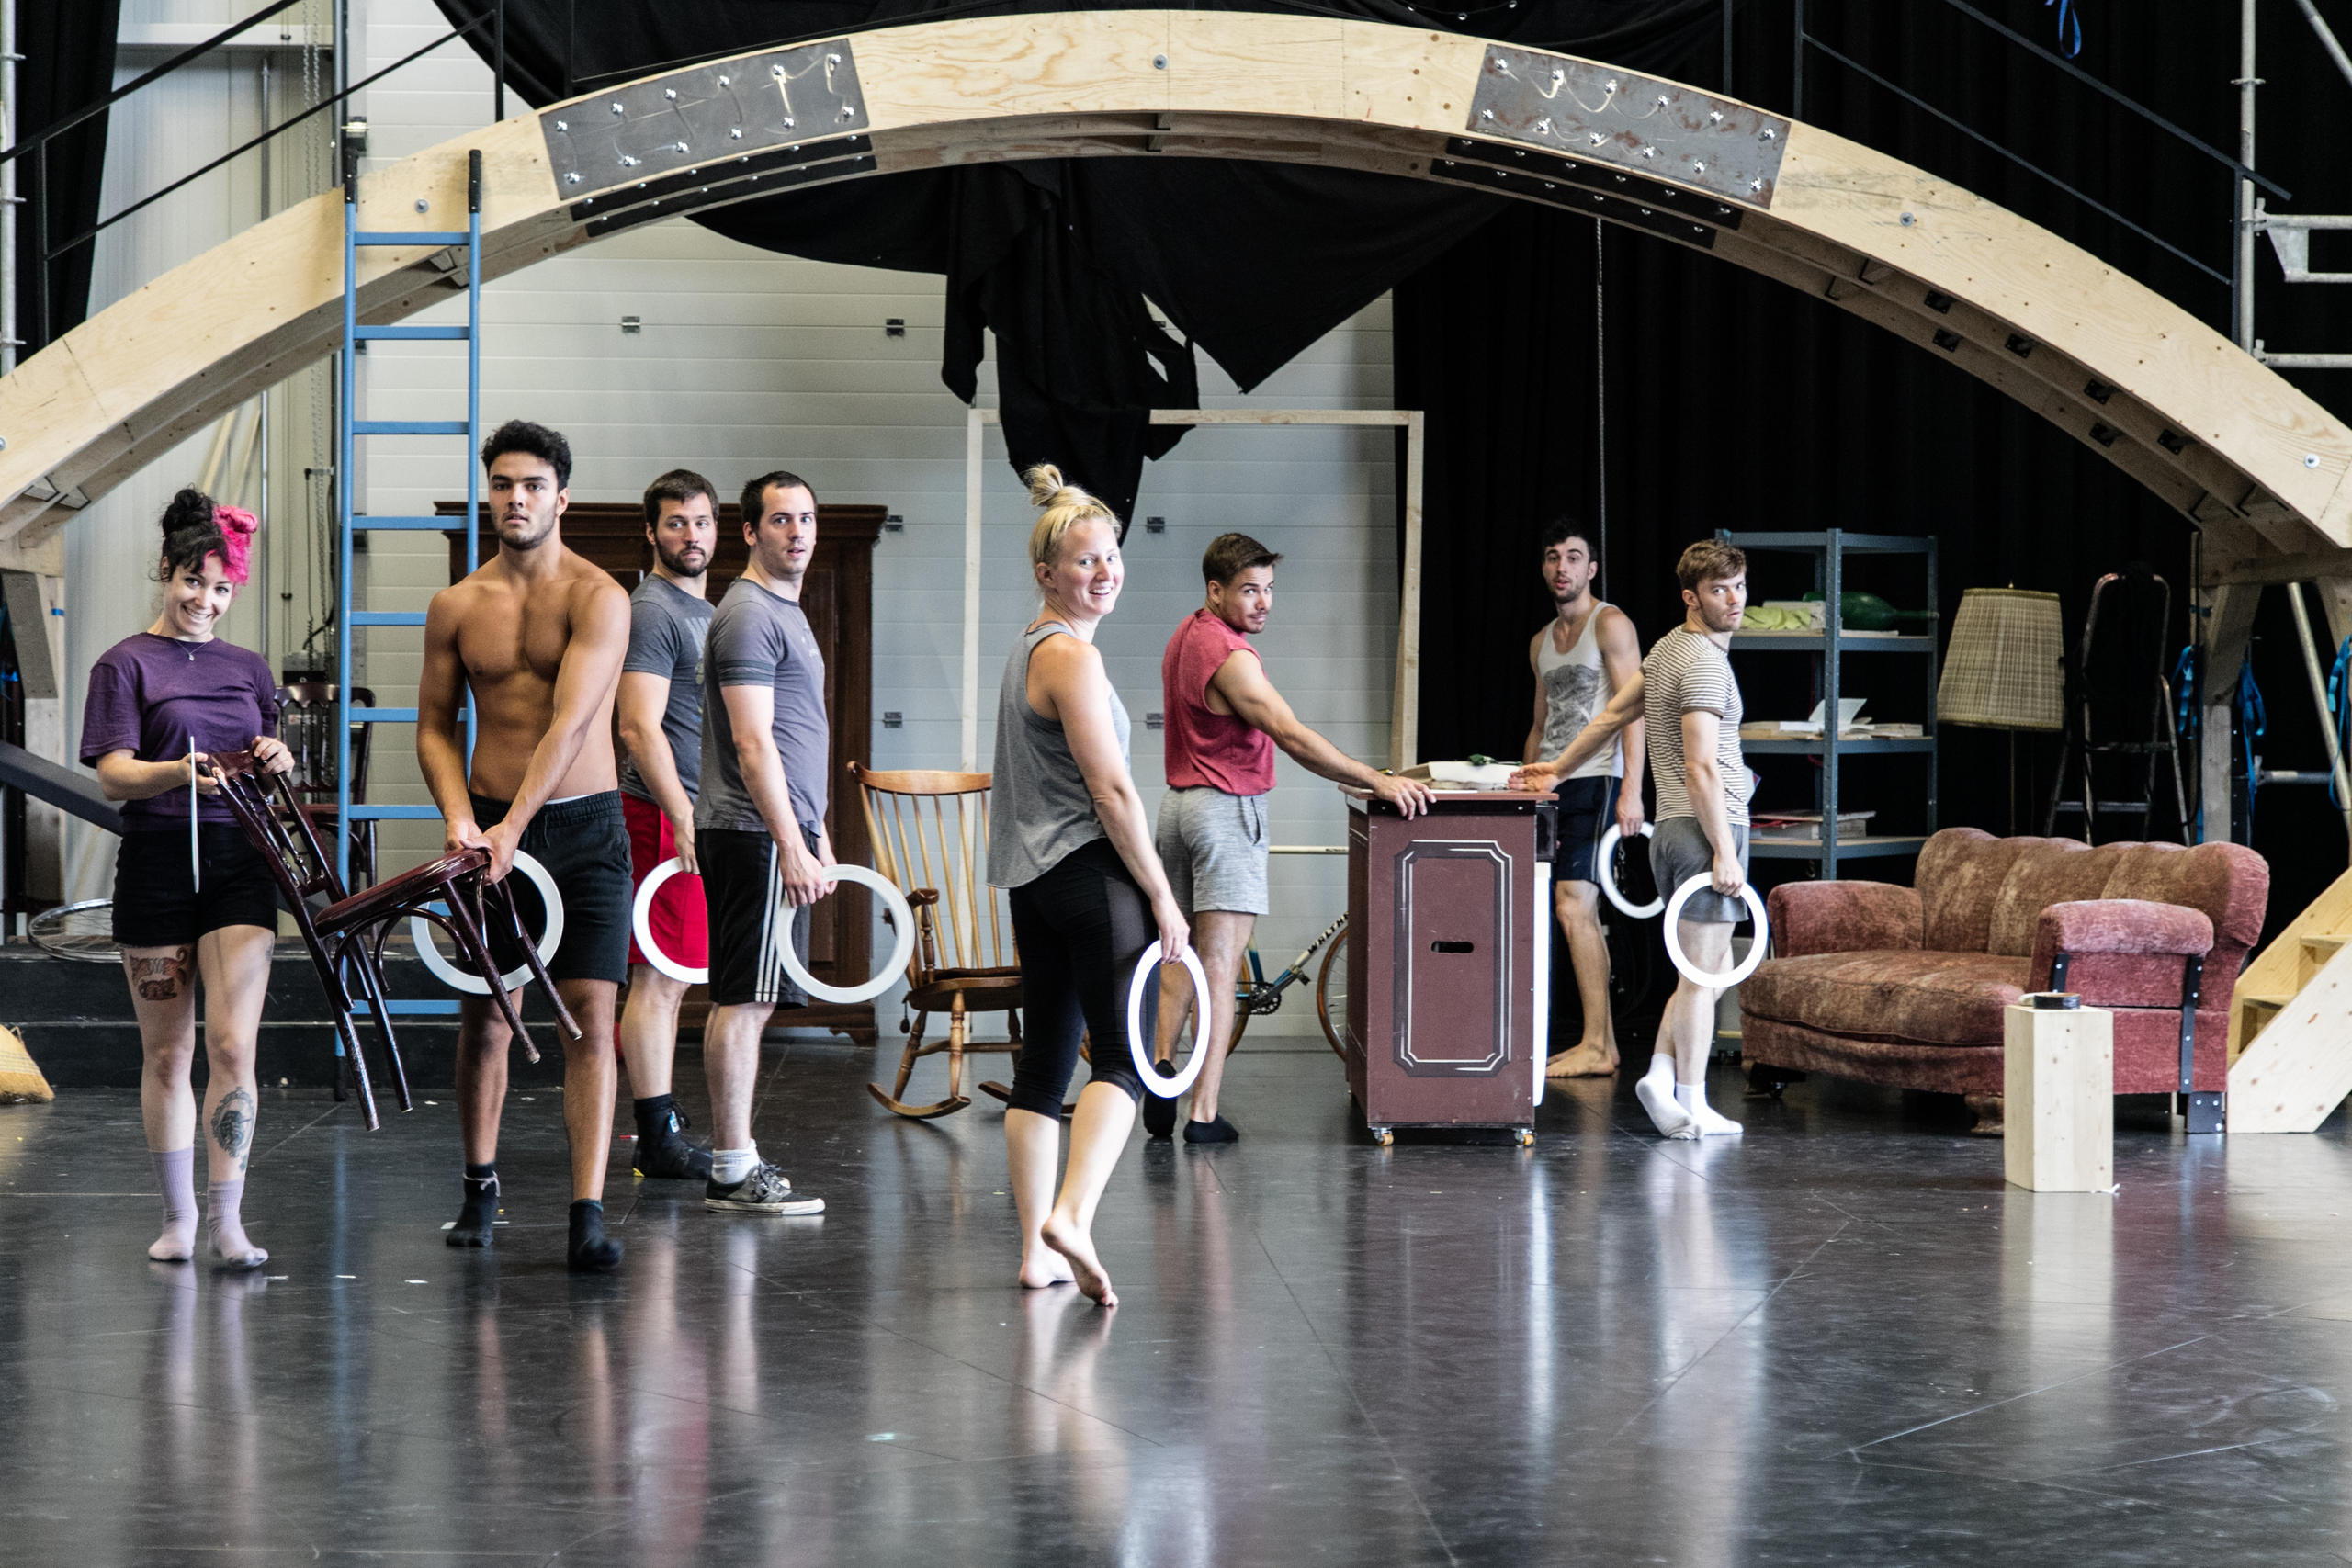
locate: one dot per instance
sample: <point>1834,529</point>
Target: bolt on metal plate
<point>705,113</point>
<point>1604,115</point>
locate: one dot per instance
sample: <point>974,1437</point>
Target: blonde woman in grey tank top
<point>1068,839</point>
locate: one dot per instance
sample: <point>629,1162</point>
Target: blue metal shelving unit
<point>1830,648</point>
<point>351,522</point>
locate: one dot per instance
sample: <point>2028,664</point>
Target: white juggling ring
<point>902,919</point>
<point>1737,972</point>
<point>420,931</point>
<point>1604,865</point>
<point>641,922</point>
<point>1168,1088</point>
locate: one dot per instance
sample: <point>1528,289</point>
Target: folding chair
<point>340,928</point>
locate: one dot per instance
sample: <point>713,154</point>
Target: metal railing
<point>36,145</point>
<point>2241,176</point>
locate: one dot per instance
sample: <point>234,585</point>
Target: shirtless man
<point>1581,657</point>
<point>533,641</point>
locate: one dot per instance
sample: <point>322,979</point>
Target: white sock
<point>1661,1068</point>
<point>728,1166</point>
<point>1691,1097</point>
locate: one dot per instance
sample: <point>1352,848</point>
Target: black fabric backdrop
<point>68,47</point>
<point>1728,401</point>
<point>1734,401</point>
<point>1251,262</point>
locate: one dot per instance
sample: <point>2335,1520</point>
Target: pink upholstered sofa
<point>1905,985</point>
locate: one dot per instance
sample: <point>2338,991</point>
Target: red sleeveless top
<point>1204,748</point>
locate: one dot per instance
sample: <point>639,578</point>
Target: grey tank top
<point>1039,810</point>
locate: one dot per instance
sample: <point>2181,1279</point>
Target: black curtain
<point>68,65</point>
<point>1249,263</point>
<point>1733,401</point>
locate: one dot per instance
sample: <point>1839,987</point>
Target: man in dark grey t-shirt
<point>661,723</point>
<point>760,823</point>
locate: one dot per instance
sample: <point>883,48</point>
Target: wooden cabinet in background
<point>839,598</point>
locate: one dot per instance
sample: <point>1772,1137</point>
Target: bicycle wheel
<point>82,932</point>
<point>1332,992</point>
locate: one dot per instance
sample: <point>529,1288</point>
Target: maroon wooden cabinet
<point>1449,933</point>
<point>839,598</point>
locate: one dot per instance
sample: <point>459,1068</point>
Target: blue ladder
<point>351,522</point>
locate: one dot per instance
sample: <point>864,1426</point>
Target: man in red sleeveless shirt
<point>1225,718</point>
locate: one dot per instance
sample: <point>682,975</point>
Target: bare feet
<point>1046,1267</point>
<point>1087,1268</point>
<point>1581,1062</point>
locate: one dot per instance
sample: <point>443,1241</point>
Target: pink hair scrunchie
<point>238,527</point>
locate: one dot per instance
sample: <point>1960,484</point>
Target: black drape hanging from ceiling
<point>68,65</point>
<point>1733,401</point>
<point>1249,263</point>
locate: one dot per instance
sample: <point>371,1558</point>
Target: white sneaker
<point>1666,1111</point>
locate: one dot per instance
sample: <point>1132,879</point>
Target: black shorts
<point>585,845</point>
<point>1587,808</point>
<point>743,894</point>
<point>156,902</point>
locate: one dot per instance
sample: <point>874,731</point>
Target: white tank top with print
<point>1576,687</point>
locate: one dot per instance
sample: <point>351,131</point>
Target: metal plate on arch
<point>702,116</point>
<point>1604,115</point>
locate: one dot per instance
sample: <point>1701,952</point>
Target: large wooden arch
<point>2258,466</point>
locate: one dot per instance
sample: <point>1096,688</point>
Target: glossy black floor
<point>1840,1340</point>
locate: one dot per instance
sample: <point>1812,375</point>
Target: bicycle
<point>1254,993</point>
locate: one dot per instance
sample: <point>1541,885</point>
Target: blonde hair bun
<point>1046,487</point>
<point>1060,507</point>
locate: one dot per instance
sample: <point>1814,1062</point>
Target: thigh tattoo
<point>233,1124</point>
<point>161,978</point>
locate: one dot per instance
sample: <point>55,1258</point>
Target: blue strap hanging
<point>2070,26</point>
<point>2339,709</point>
<point>2188,689</point>
<point>2253,720</point>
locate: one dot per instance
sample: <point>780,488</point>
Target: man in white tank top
<point>1581,657</point>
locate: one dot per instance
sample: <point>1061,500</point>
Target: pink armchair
<point>1906,986</point>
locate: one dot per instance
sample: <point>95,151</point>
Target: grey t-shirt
<point>666,627</point>
<point>1686,672</point>
<point>758,638</point>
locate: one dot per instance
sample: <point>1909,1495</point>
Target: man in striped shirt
<point>1690,703</point>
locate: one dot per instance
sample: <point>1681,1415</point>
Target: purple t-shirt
<point>149,693</point>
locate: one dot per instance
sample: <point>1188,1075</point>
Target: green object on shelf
<point>1480,759</point>
<point>1858,612</point>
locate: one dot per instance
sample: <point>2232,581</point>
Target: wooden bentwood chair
<point>930,832</point>
<point>342,928</point>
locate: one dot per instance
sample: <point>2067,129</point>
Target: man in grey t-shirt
<point>661,723</point>
<point>760,823</point>
<point>1693,708</point>
<point>1690,703</point>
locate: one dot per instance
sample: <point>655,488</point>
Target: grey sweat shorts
<point>1213,846</point>
<point>1678,852</point>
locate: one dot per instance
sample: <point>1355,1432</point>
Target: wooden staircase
<point>2290,1023</point>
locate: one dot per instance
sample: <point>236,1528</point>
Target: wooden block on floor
<point>2059,1111</point>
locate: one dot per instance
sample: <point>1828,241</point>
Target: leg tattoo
<point>233,1124</point>
<point>160,979</point>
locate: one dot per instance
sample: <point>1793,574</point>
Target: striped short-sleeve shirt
<point>1686,671</point>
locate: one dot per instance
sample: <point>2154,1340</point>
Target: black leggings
<point>1081,927</point>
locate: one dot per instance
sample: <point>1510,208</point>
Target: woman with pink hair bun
<point>158,700</point>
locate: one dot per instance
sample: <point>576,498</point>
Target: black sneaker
<point>1160,1112</point>
<point>764,1191</point>
<point>671,1157</point>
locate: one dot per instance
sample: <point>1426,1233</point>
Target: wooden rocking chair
<point>930,831</point>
